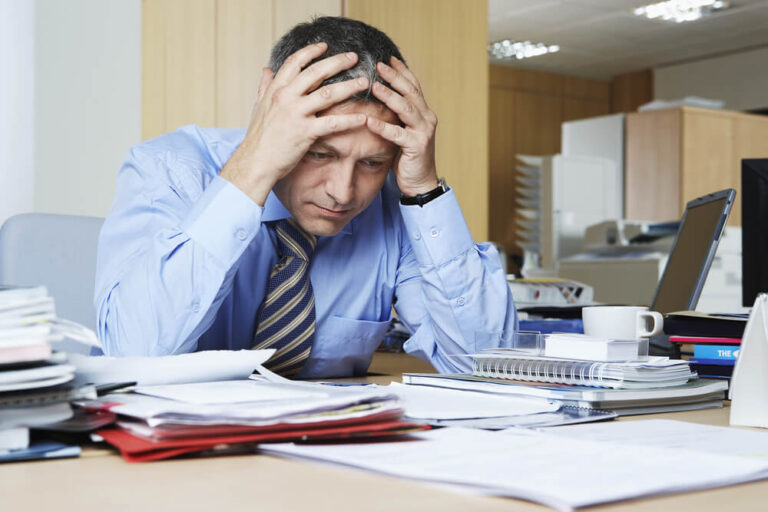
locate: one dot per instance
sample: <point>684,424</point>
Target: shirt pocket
<point>344,347</point>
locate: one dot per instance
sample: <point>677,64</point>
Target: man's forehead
<point>368,108</point>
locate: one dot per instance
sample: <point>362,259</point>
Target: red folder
<point>137,449</point>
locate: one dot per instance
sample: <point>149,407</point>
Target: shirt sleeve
<point>452,294</point>
<point>167,255</point>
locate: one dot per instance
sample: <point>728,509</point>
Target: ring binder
<point>650,373</point>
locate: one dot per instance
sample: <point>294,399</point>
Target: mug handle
<point>658,324</point>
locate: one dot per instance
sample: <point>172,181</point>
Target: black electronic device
<point>754,229</point>
<point>692,252</point>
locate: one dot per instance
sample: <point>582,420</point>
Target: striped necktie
<point>286,319</point>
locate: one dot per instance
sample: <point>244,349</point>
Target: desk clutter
<point>36,383</point>
<point>531,421</point>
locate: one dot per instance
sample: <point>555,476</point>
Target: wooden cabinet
<point>675,155</point>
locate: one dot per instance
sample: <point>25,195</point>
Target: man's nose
<point>340,182</point>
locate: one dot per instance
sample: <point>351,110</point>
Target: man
<point>300,233</point>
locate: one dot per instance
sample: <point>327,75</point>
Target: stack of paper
<point>695,394</point>
<point>157,422</point>
<point>35,382</point>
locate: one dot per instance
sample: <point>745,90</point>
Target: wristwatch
<point>422,199</point>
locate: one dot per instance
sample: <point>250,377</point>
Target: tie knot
<point>293,240</point>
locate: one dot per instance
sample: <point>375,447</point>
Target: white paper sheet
<point>210,365</point>
<point>675,435</point>
<point>561,472</point>
<point>429,403</point>
<point>231,392</point>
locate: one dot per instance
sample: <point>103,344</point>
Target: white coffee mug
<point>621,322</point>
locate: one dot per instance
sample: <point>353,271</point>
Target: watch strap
<point>422,199</point>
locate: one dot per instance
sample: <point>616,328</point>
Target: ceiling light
<point>681,10</point>
<point>507,49</point>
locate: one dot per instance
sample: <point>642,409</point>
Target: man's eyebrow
<point>378,155</point>
<point>323,145</point>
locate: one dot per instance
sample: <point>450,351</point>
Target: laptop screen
<point>692,253</point>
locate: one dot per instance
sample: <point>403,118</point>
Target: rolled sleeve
<point>438,232</point>
<point>223,221</point>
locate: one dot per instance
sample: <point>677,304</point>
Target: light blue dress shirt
<point>184,257</point>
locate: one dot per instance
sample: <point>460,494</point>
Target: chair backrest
<point>58,251</point>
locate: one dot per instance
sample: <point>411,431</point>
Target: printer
<point>622,260</point>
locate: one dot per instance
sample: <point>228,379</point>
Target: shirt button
<point>435,233</point>
<point>417,236</point>
<point>195,307</point>
<point>460,301</point>
<point>241,234</point>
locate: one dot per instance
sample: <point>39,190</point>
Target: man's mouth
<point>335,213</point>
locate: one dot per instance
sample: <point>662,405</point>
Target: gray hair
<point>342,35</point>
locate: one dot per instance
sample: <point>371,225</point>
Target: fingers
<point>267,75</point>
<point>330,95</point>
<point>405,109</point>
<point>391,132</point>
<point>326,125</point>
<point>401,68</point>
<point>298,61</point>
<point>409,90</point>
<point>313,76</point>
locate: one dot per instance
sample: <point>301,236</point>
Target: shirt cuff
<point>437,231</point>
<point>224,220</point>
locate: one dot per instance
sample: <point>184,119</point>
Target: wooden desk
<point>100,481</point>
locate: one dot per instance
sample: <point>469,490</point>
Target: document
<point>559,471</point>
<point>429,403</point>
<point>208,365</point>
<point>676,435</point>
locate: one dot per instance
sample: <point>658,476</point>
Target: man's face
<point>340,174</point>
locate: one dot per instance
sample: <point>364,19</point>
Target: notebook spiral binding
<point>555,372</point>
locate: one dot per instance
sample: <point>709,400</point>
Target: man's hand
<point>415,166</point>
<point>283,125</point>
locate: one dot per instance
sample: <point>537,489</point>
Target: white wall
<point>17,102</point>
<point>87,101</point>
<point>740,80</point>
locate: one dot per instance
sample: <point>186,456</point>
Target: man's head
<point>341,173</point>
<point>341,35</point>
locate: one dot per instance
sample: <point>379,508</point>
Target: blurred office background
<point>84,80</point>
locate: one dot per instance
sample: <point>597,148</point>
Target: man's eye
<point>372,163</point>
<point>319,156</point>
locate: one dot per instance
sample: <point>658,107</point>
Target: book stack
<point>711,342</point>
<point>35,382</point>
<point>583,371</point>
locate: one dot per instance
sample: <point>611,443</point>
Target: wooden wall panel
<point>288,13</point>
<point>243,41</point>
<point>630,90</point>
<point>501,160</point>
<point>652,170</point>
<point>582,109</point>
<point>527,109</point>
<point>202,59</point>
<point>444,43</point>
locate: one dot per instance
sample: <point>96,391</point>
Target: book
<point>694,340</point>
<point>514,365</point>
<point>729,352</point>
<point>692,323</point>
<point>695,394</point>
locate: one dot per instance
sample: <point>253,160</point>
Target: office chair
<point>58,251</point>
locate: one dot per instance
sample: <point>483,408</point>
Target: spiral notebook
<point>653,372</point>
